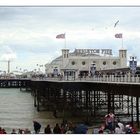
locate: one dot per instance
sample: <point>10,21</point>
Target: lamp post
<point>133,64</point>
<point>8,71</point>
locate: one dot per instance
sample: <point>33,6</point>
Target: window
<point>104,63</point>
<point>64,55</point>
<point>73,63</point>
<point>114,63</point>
<point>83,63</point>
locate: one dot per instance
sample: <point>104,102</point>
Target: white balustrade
<point>137,79</point>
<point>104,78</point>
<point>120,79</point>
<point>112,78</point>
<point>132,79</point>
<point>125,78</point>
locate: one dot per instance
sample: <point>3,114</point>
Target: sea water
<point>17,111</point>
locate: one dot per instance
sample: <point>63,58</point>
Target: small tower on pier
<point>123,57</point>
<point>65,57</point>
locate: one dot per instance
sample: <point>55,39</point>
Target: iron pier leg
<point>128,105</point>
<point>35,93</point>
<point>122,102</point>
<point>38,107</point>
<point>94,103</point>
<point>109,102</point>
<point>113,109</point>
<point>132,109</point>
<point>87,105</point>
<point>97,98</point>
<point>64,97</point>
<point>137,110</point>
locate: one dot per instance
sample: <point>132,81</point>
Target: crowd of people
<point>111,125</point>
<point>14,131</point>
<point>63,128</point>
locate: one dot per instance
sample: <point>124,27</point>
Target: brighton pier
<point>88,97</point>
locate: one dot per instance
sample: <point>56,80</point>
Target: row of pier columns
<point>93,101</point>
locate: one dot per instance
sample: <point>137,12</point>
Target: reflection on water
<point>17,111</point>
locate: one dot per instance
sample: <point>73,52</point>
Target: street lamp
<point>133,64</point>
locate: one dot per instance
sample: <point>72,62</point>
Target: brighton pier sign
<point>93,51</point>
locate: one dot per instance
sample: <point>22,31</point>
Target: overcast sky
<point>28,34</point>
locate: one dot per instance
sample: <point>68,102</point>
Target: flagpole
<point>122,41</point>
<point>65,41</point>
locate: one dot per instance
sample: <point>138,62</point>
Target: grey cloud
<point>47,16</point>
<point>47,19</point>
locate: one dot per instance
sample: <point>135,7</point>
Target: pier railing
<point>103,78</point>
<point>113,78</point>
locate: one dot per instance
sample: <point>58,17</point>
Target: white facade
<point>82,60</point>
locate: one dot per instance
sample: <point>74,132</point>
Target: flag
<point>116,23</point>
<point>118,35</point>
<point>60,36</point>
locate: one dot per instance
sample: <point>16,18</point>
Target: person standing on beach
<point>37,127</point>
<point>110,121</point>
<point>13,131</point>
<point>47,130</point>
<point>57,129</point>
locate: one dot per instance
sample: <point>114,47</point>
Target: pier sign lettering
<point>93,51</point>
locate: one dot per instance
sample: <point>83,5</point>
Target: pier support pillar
<point>137,110</point>
<point>38,107</point>
<point>94,103</point>
<point>87,106</point>
<point>113,108</point>
<point>109,102</point>
<point>132,109</point>
<point>122,101</point>
<point>35,93</point>
<point>64,101</point>
<point>128,105</point>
